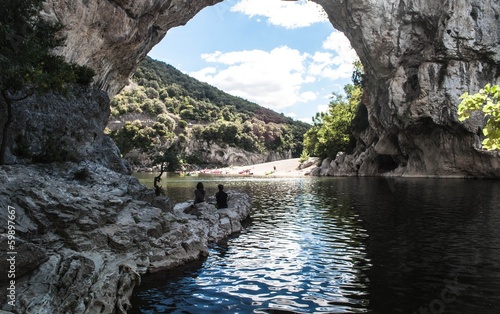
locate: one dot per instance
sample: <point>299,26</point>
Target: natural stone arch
<point>114,36</point>
<point>419,56</point>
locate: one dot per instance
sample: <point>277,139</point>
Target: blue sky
<point>283,55</point>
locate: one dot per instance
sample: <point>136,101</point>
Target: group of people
<point>220,196</point>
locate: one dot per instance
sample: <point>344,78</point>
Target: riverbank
<point>280,168</point>
<point>84,235</point>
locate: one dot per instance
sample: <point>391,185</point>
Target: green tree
<point>166,120</point>
<point>215,117</point>
<point>182,124</point>
<point>227,132</point>
<point>125,136</point>
<point>26,59</point>
<point>152,93</point>
<point>304,156</point>
<point>487,101</point>
<point>358,73</point>
<point>248,142</point>
<point>331,132</point>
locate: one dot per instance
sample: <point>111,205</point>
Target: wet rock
<point>308,163</point>
<point>325,167</point>
<point>27,257</point>
<point>315,171</point>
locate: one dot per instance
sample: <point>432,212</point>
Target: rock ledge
<point>85,234</point>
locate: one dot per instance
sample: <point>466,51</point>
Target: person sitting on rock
<point>221,197</point>
<point>199,193</point>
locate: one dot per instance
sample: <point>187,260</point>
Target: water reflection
<point>433,244</point>
<point>345,245</point>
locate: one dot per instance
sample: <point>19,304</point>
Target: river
<point>342,245</point>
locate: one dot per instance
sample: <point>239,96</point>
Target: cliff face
<point>232,156</point>
<point>113,36</point>
<point>54,128</point>
<point>419,57</point>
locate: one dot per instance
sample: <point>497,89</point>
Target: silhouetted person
<point>199,193</point>
<point>221,197</point>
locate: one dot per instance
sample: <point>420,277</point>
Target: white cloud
<point>272,79</point>
<point>204,72</point>
<point>339,43</point>
<point>309,96</point>
<point>323,108</point>
<point>277,79</point>
<point>336,65</point>
<point>288,14</point>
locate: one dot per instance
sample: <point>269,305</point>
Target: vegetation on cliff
<point>162,110</point>
<point>486,101</point>
<point>26,59</point>
<point>332,131</point>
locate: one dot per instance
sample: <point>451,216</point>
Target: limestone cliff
<point>231,156</point>
<point>419,57</point>
<point>113,36</point>
<point>63,127</point>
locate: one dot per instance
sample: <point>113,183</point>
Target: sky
<point>283,55</point>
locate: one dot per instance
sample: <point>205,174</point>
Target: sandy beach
<point>280,168</point>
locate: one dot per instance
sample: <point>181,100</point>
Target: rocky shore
<point>84,234</point>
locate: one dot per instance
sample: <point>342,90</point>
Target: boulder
<point>56,127</point>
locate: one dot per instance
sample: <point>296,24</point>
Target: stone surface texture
<point>85,234</point>
<point>419,56</point>
<point>59,127</point>
<point>233,156</point>
<point>113,36</point>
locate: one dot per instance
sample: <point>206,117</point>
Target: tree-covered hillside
<point>162,110</point>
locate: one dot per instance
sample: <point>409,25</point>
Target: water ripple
<point>297,256</point>
<point>345,246</point>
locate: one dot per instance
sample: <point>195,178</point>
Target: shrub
<point>486,101</point>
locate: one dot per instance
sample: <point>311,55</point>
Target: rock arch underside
<point>419,57</point>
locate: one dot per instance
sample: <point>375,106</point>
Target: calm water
<point>343,245</point>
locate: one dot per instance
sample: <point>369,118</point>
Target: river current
<point>342,245</point>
